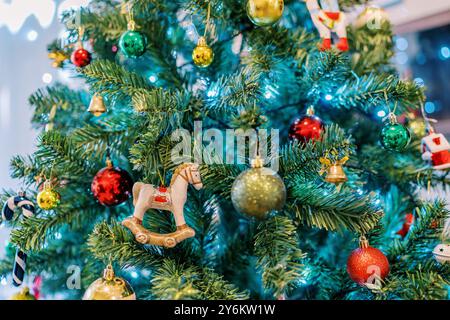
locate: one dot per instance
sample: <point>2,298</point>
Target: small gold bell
<point>336,174</point>
<point>97,105</point>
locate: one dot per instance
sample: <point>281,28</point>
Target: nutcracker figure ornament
<point>436,150</point>
<point>327,18</point>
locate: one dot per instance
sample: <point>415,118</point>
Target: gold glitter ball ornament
<point>109,287</point>
<point>257,191</point>
<point>202,55</point>
<point>23,295</point>
<point>48,198</point>
<point>264,13</point>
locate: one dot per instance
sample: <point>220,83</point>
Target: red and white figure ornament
<point>327,18</point>
<point>367,266</point>
<point>172,198</point>
<point>308,127</point>
<point>409,220</point>
<point>111,185</point>
<point>80,57</point>
<point>436,150</point>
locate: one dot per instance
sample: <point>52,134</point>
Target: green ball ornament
<point>395,137</point>
<point>133,43</point>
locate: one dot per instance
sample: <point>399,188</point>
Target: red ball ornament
<point>366,264</point>
<point>309,127</point>
<point>111,185</point>
<point>81,57</point>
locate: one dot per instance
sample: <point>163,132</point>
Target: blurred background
<point>422,45</point>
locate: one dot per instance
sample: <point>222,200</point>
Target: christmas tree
<point>191,178</point>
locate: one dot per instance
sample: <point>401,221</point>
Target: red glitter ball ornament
<point>81,57</point>
<point>111,185</point>
<point>308,127</point>
<point>366,264</point>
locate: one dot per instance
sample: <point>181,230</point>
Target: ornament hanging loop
<point>208,18</point>
<point>392,118</point>
<point>363,242</point>
<point>310,111</point>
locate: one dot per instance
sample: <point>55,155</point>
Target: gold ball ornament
<point>372,17</point>
<point>257,191</point>
<point>48,198</point>
<point>417,127</point>
<point>109,287</point>
<point>23,295</point>
<point>202,55</point>
<point>264,13</point>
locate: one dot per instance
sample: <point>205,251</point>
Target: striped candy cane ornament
<point>28,209</point>
<point>19,201</point>
<point>20,264</point>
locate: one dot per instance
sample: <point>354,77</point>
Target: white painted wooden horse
<point>173,198</point>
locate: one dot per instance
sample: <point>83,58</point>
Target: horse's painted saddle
<point>161,198</point>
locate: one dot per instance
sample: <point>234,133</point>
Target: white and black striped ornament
<point>19,201</point>
<point>20,264</point>
<point>28,209</point>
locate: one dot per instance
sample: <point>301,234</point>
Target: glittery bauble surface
<point>257,191</point>
<point>113,288</point>
<point>264,13</point>
<point>111,186</point>
<point>81,57</point>
<point>48,199</point>
<point>133,44</point>
<point>306,128</point>
<point>417,127</point>
<point>23,295</point>
<point>365,262</point>
<point>395,137</point>
<point>203,56</point>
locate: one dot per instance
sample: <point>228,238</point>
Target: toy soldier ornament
<point>172,198</point>
<point>327,18</point>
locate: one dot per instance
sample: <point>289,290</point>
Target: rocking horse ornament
<point>172,198</point>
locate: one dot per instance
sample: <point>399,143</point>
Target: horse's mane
<point>177,171</point>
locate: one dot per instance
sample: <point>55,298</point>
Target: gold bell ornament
<point>264,13</point>
<point>372,17</point>
<point>202,54</point>
<point>258,190</point>
<point>97,106</point>
<point>109,287</point>
<point>23,295</point>
<point>335,172</point>
<point>58,57</point>
<point>48,198</point>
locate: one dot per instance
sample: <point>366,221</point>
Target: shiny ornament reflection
<point>264,13</point>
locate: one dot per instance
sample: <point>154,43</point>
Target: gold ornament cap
<point>257,162</point>
<point>363,242</point>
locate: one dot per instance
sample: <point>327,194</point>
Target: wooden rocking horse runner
<point>173,198</point>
